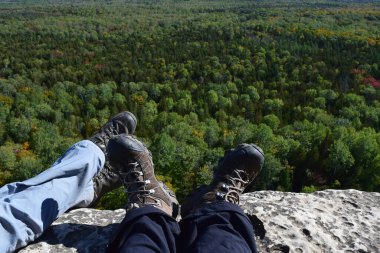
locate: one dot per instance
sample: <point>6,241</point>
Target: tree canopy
<point>300,79</point>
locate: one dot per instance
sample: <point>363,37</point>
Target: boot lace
<point>234,186</point>
<point>135,187</point>
<point>108,132</point>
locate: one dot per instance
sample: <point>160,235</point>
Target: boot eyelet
<point>224,187</point>
<point>219,196</point>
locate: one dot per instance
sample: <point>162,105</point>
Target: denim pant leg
<point>145,230</point>
<point>27,208</point>
<point>220,227</point>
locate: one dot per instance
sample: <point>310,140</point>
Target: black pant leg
<point>219,227</point>
<point>145,230</point>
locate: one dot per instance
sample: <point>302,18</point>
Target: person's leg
<point>216,227</point>
<point>213,222</point>
<point>146,230</point>
<point>148,225</point>
<point>27,208</point>
<point>77,179</point>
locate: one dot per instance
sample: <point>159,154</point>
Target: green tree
<point>7,162</point>
<point>340,160</point>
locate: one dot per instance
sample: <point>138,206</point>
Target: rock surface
<point>326,221</point>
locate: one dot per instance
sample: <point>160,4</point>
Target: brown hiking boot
<point>107,180</point>
<point>235,171</point>
<point>133,162</point>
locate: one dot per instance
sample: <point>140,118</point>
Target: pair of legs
<point>217,227</point>
<point>83,174</point>
<point>212,220</point>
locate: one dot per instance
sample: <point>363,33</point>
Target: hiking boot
<point>122,123</point>
<point>235,171</point>
<point>175,205</point>
<point>107,180</point>
<point>133,162</point>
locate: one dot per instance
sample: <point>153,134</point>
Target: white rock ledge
<point>326,221</point>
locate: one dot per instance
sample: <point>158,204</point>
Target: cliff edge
<point>325,221</point>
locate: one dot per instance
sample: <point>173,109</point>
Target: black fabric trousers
<point>219,227</point>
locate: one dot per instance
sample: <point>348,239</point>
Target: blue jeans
<point>27,208</point>
<point>219,227</point>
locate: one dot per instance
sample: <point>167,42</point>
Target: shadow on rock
<point>80,238</point>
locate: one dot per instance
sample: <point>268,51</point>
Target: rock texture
<point>326,221</point>
<point>82,230</point>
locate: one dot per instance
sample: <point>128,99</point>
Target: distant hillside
<point>299,78</point>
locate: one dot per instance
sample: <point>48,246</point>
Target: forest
<point>299,78</point>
